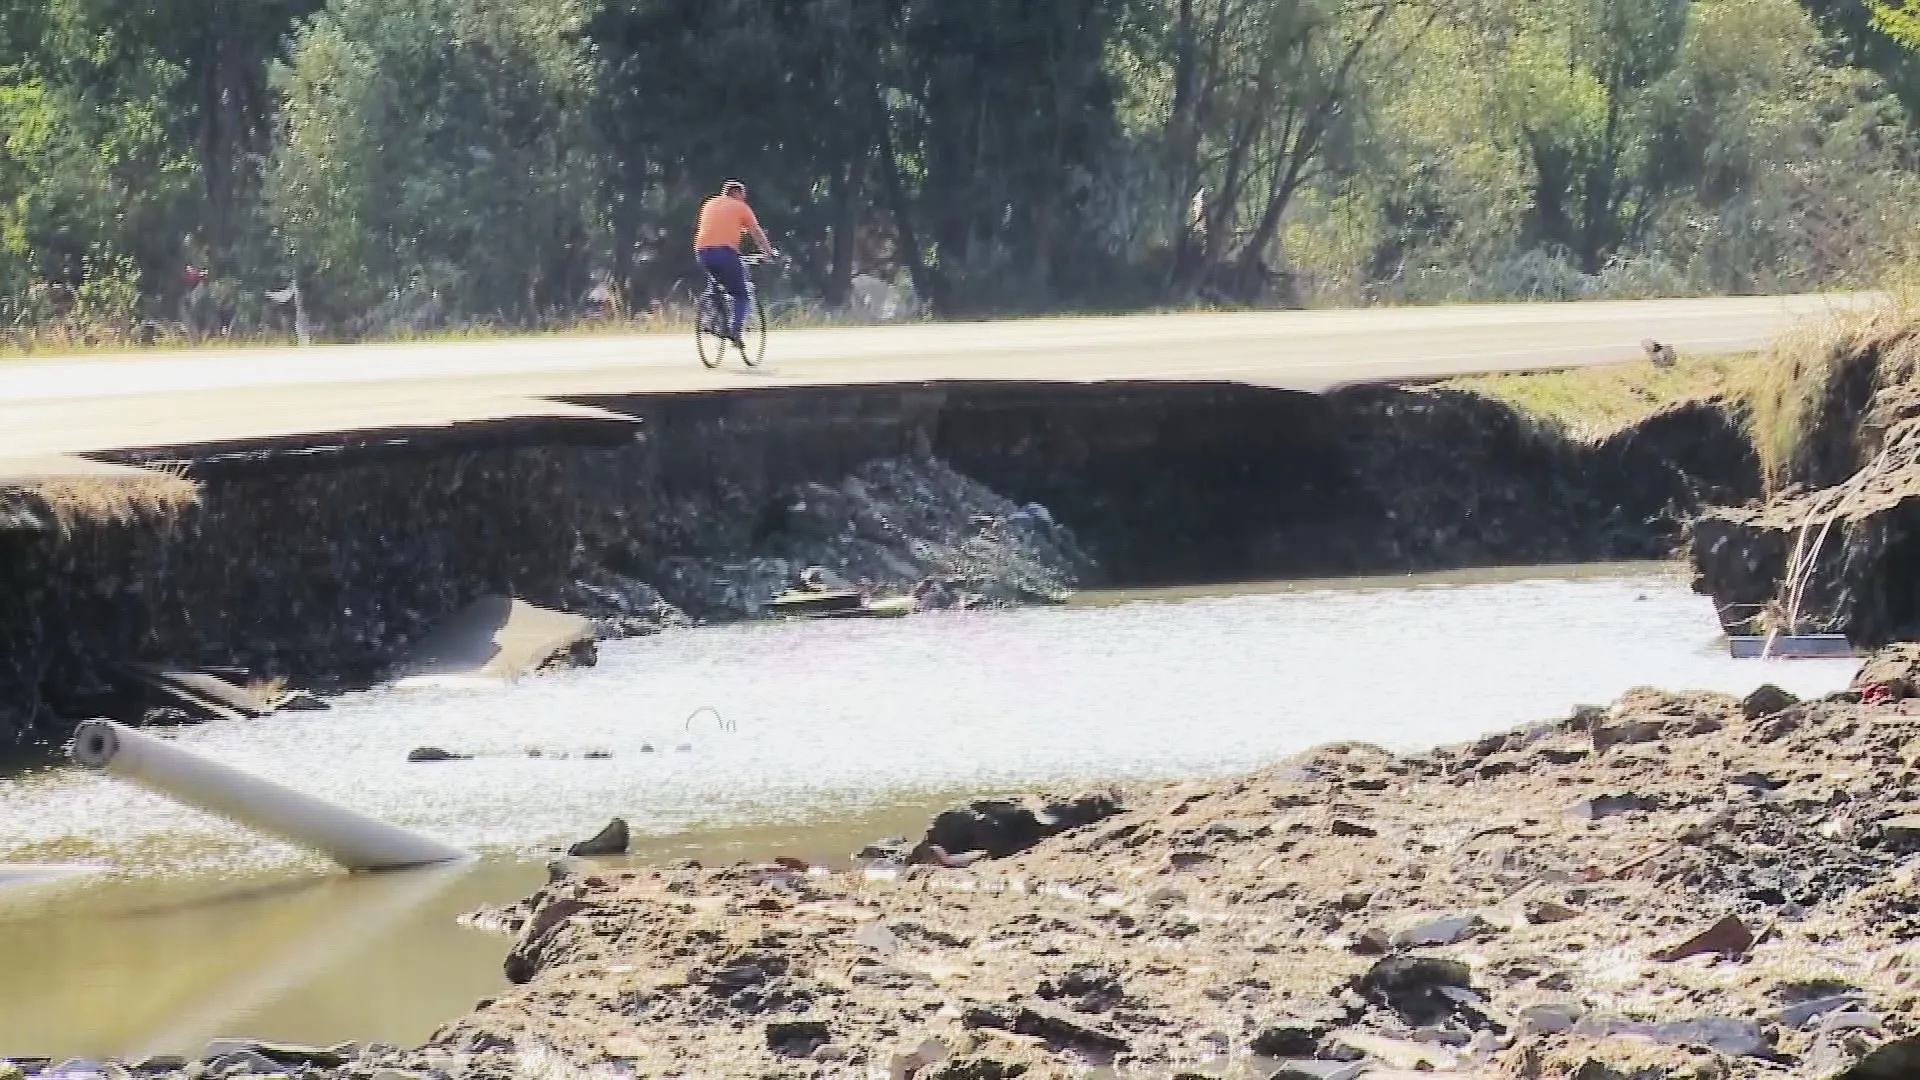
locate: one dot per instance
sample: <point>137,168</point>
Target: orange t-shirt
<point>722,219</point>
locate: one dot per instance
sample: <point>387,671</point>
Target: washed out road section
<point>52,408</point>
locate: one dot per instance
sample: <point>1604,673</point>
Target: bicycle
<point>713,315</point>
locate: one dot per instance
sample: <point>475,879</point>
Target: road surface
<point>53,410</point>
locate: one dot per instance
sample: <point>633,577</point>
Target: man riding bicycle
<point>716,245</point>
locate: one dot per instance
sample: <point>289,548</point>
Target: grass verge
<point>1589,404</point>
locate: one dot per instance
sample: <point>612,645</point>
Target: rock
<point>1759,781</point>
<point>434,753</point>
<point>1894,670</point>
<point>1902,833</point>
<point>1371,942</point>
<point>611,840</point>
<point>797,1038</point>
<point>1412,986</point>
<point>1738,1038</point>
<point>1442,931</point>
<point>1343,827</point>
<point>1729,937</point>
<point>301,701</point>
<point>1799,1013</point>
<point>891,849</point>
<point>1067,1029</point>
<point>161,1063</point>
<point>1606,806</point>
<point>1542,912</point>
<point>1002,827</point>
<point>1287,1040</point>
<point>1625,733</point>
<point>548,913</point>
<point>242,1063</point>
<point>1551,1019</point>
<point>325,1057</point>
<point>931,1051</point>
<point>1766,701</point>
<point>1896,1060</point>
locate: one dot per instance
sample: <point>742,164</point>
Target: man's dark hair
<point>733,187</point>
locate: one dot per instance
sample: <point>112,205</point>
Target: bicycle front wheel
<point>709,327</point>
<point>753,336</point>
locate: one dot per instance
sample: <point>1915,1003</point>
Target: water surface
<point>203,929</point>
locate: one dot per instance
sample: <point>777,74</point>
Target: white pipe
<point>353,841</point>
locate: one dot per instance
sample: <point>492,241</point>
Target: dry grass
<point>1784,392</point>
<point>1589,404</point>
<point>1780,391</point>
<point>120,497</point>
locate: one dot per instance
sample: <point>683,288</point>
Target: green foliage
<point>1899,20</point>
<point>437,145</point>
<point>425,164</point>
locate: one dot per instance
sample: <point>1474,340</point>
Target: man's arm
<point>760,234</point>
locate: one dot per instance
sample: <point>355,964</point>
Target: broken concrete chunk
<point>611,840</point>
<point>1442,931</point>
<point>1729,937</point>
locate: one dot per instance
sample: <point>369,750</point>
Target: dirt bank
<point>321,561</point>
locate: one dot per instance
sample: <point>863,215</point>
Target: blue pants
<point>724,266</point>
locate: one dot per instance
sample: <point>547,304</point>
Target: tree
<point>1899,20</point>
<point>1254,100</point>
<point>91,181</point>
<point>438,147</point>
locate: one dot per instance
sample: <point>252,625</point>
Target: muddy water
<point>799,737</point>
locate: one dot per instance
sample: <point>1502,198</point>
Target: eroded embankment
<point>322,562</point>
<point>1837,547</point>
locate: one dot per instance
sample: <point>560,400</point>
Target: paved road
<point>51,409</point>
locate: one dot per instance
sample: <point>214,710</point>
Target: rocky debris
<point>1894,671</point>
<point>1002,827</point>
<point>434,753</point>
<point>610,840</point>
<point>619,606</point>
<point>897,527</point>
<point>1766,701</point>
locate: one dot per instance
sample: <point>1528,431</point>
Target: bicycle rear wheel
<point>753,336</point>
<point>709,326</point>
